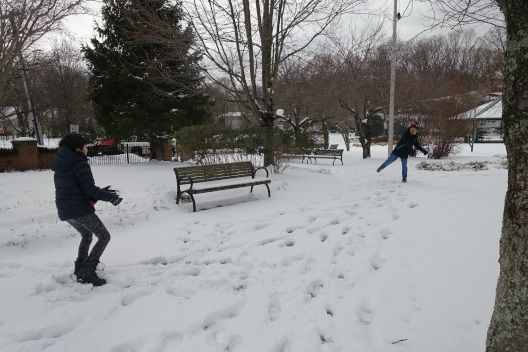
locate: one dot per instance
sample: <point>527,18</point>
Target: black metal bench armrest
<point>260,168</point>
<point>190,182</point>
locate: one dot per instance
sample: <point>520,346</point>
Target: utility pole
<point>392,79</point>
<point>36,124</point>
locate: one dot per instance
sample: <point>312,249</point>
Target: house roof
<point>492,110</point>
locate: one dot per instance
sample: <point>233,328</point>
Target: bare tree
<point>303,91</point>
<point>248,41</point>
<point>360,84</point>
<point>25,22</point>
<point>15,111</point>
<point>493,50</point>
<point>362,119</point>
<point>61,91</point>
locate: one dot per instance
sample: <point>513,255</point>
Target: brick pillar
<point>27,154</point>
<point>186,154</point>
<point>163,149</point>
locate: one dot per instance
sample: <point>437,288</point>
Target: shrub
<point>213,144</point>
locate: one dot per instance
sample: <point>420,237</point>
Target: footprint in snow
<point>329,311</point>
<point>133,295</point>
<point>314,288</point>
<point>261,226</point>
<point>274,311</point>
<point>312,230</point>
<point>366,317</point>
<point>269,240</point>
<point>307,265</point>
<point>291,229</point>
<point>325,339</point>
<point>289,243</point>
<point>385,233</point>
<point>335,222</point>
<point>375,262</point>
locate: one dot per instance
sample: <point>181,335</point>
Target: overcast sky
<point>411,24</point>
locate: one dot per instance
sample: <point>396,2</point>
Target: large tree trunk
<point>269,149</point>
<point>508,330</point>
<point>366,137</point>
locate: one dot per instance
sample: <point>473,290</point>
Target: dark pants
<point>89,225</point>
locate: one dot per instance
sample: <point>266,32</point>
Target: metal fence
<point>116,155</point>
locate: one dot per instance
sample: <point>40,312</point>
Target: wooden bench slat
<point>221,187</point>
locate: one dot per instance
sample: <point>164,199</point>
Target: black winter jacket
<point>407,141</point>
<point>74,184</point>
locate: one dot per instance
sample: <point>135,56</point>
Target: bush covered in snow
<point>499,161</point>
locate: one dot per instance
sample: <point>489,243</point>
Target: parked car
<point>107,141</point>
<point>106,146</point>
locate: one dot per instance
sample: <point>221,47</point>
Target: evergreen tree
<point>145,77</point>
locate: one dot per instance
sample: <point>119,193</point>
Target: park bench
<point>333,154</point>
<point>217,177</point>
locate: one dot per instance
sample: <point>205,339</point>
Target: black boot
<point>87,274</point>
<point>77,263</point>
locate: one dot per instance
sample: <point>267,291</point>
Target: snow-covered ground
<point>340,258</point>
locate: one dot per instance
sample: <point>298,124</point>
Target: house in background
<point>234,120</point>
<point>488,120</point>
<point>9,122</point>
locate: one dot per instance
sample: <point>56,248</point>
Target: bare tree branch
<point>25,22</point>
<point>460,14</point>
<point>249,41</point>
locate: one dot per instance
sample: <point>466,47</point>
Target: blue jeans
<point>392,158</point>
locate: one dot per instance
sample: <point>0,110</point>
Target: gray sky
<point>411,24</point>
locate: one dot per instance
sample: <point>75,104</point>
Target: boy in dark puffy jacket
<point>75,196</point>
<point>404,148</point>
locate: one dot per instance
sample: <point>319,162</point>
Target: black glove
<point>425,152</point>
<point>109,190</point>
<point>115,200</point>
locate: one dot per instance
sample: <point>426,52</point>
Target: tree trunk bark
<point>345,133</point>
<point>326,135</point>
<point>269,148</point>
<point>508,330</point>
<point>367,135</point>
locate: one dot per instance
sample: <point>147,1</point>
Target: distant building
<point>234,120</point>
<point>10,122</point>
<point>489,118</point>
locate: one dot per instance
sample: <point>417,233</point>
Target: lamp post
<point>36,124</point>
<point>392,79</point>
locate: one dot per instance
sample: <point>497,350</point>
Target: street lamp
<point>392,79</point>
<point>36,124</point>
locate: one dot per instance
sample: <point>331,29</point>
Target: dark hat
<point>415,125</point>
<point>73,141</point>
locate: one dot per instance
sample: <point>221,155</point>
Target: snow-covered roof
<point>490,111</point>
